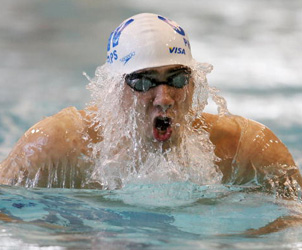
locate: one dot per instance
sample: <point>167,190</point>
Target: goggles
<point>142,82</point>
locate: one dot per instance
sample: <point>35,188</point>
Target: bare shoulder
<point>250,138</point>
<point>55,135</point>
<point>57,140</point>
<point>250,151</point>
<point>224,133</point>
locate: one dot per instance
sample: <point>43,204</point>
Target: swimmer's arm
<point>9,219</point>
<point>259,148</point>
<point>254,147</point>
<point>277,225</point>
<point>250,147</point>
<point>53,141</point>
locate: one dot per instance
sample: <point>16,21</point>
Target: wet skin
<point>162,101</point>
<point>247,149</point>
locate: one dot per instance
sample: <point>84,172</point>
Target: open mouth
<point>162,129</point>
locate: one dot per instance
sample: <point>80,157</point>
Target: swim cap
<point>147,40</point>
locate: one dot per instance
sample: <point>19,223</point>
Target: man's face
<point>164,97</point>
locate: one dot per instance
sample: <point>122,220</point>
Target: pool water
<point>161,216</point>
<point>255,47</point>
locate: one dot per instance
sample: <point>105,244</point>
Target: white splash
<point>125,157</point>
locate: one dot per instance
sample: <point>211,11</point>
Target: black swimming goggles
<point>142,81</point>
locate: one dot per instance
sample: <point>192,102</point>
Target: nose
<point>163,97</point>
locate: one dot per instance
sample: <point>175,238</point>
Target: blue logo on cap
<point>177,50</point>
<point>115,35</point>
<point>178,29</point>
<point>128,57</point>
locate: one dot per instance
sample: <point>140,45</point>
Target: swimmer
<point>148,99</point>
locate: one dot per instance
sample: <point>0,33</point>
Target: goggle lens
<point>142,83</point>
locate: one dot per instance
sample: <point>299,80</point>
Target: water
<point>255,47</point>
<point>124,156</point>
<point>166,216</point>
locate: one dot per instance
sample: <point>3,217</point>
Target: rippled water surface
<point>162,216</point>
<point>255,47</point>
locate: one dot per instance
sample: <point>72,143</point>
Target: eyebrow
<point>179,70</point>
<point>152,72</point>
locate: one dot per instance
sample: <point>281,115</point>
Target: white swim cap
<point>147,40</point>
